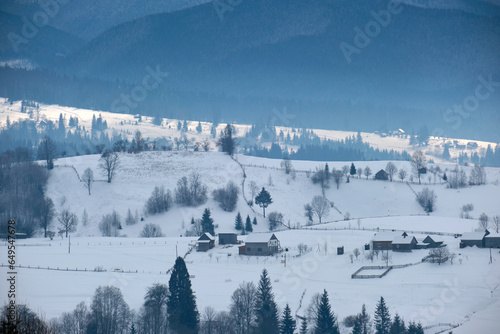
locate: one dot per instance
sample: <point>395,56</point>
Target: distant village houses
<point>260,244</point>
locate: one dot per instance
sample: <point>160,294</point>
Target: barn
<point>205,242</point>
<point>382,175</point>
<point>260,244</point>
<point>383,240</point>
<point>473,239</point>
<point>429,242</point>
<point>228,238</point>
<point>404,243</point>
<point>492,240</point>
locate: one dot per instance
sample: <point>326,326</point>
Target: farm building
<point>260,244</point>
<point>228,238</point>
<point>383,240</point>
<point>473,239</point>
<point>429,242</point>
<point>382,175</point>
<point>205,242</point>
<point>404,243</point>
<point>492,240</point>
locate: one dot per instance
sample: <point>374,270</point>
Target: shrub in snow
<point>151,231</point>
<point>159,201</point>
<point>427,199</point>
<point>227,197</point>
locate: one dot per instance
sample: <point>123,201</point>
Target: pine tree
<point>325,321</point>
<point>263,200</point>
<point>183,316</point>
<point>266,310</point>
<point>414,328</point>
<point>288,324</point>
<point>398,325</point>
<point>248,225</point>
<point>199,128</point>
<point>207,223</point>
<point>238,222</point>
<point>327,171</point>
<point>382,318</point>
<point>352,171</point>
<point>364,320</point>
<point>62,128</point>
<point>357,328</point>
<point>303,326</point>
<point>254,222</point>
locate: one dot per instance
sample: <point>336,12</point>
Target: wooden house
<point>260,244</point>
<point>404,243</point>
<point>205,242</point>
<point>492,240</point>
<point>383,240</point>
<point>473,239</point>
<point>382,175</point>
<point>228,238</point>
<point>429,242</point>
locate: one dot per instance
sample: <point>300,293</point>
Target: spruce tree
<point>266,310</point>
<point>382,318</point>
<point>248,225</point>
<point>288,324</point>
<point>414,328</point>
<point>207,223</point>
<point>352,170</point>
<point>398,325</point>
<point>364,320</point>
<point>263,200</point>
<point>357,328</point>
<point>327,172</point>
<point>238,222</point>
<point>325,321</point>
<point>303,326</point>
<point>183,316</point>
<point>254,221</point>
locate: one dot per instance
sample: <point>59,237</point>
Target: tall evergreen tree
<point>364,320</point>
<point>62,128</point>
<point>414,328</point>
<point>183,315</point>
<point>226,141</point>
<point>238,222</point>
<point>325,321</point>
<point>382,318</point>
<point>398,326</point>
<point>207,223</point>
<point>266,310</point>
<point>303,326</point>
<point>254,221</point>
<point>352,171</point>
<point>288,324</point>
<point>248,225</point>
<point>263,200</point>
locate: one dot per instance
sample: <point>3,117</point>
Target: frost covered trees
<point>109,163</point>
<point>227,197</point>
<point>320,206</point>
<point>88,179</point>
<point>160,201</point>
<point>427,199</point>
<point>190,192</point>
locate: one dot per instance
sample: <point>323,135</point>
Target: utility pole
<point>69,244</point>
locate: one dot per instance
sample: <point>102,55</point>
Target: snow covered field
<point>459,293</point>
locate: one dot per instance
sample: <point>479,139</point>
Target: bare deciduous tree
<point>88,179</point>
<point>151,231</point>
<point>368,172</point>
<point>320,206</point>
<point>483,221</point>
<point>109,164</point>
<point>359,171</point>
<point>242,305</point>
<point>391,170</point>
<point>439,255</point>
<point>286,164</point>
<point>47,150</point>
<point>427,199</point>
<point>356,252</point>
<point>337,176</point>
<point>68,221</point>
<point>418,163</point>
<point>477,176</point>
<point>495,222</point>
<point>402,174</point>
<point>253,189</point>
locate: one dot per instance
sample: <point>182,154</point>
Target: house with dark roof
<point>260,244</point>
<point>429,242</point>
<point>205,242</point>
<point>474,239</point>
<point>382,175</point>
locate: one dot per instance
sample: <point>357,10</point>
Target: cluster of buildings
<point>482,239</point>
<point>255,244</point>
<point>402,242</point>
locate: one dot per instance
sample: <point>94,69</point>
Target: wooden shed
<point>205,242</point>
<point>228,238</point>
<point>383,240</point>
<point>404,243</point>
<point>492,240</point>
<point>473,239</point>
<point>382,175</point>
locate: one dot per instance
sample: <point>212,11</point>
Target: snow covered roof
<point>260,237</point>
<point>473,236</point>
<point>206,236</point>
<point>493,235</point>
<point>403,240</point>
<point>386,236</point>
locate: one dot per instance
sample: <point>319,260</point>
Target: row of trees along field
<point>172,309</point>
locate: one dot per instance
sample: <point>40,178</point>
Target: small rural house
<point>383,240</point>
<point>382,175</point>
<point>404,243</point>
<point>492,240</point>
<point>228,238</point>
<point>429,242</point>
<point>260,244</point>
<point>473,239</point>
<point>205,242</point>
